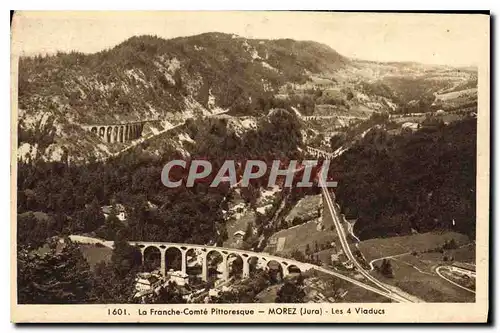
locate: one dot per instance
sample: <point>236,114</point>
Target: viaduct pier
<point>118,132</point>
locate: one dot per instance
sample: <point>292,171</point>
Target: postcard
<point>254,167</point>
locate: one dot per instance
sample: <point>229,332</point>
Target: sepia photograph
<point>249,166</point>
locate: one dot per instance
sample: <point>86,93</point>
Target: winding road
<point>450,281</point>
<point>347,249</point>
<point>386,257</point>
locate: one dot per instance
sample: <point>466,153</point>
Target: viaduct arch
<point>349,119</point>
<point>290,264</point>
<point>319,153</point>
<point>117,132</point>
<point>111,133</point>
<point>203,251</point>
<point>225,253</point>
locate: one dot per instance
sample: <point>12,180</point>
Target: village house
<point>119,209</point>
<point>410,126</point>
<point>180,278</point>
<point>239,235</point>
<point>334,258</point>
<point>146,282</point>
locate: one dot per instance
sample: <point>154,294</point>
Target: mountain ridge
<point>171,80</point>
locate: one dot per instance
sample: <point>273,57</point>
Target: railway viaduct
<point>204,251</point>
<point>319,153</point>
<point>119,132</point>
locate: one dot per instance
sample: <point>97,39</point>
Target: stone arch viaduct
<point>225,253</point>
<point>204,251</point>
<point>319,153</point>
<point>123,132</point>
<point>349,119</point>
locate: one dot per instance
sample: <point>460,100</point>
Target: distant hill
<point>147,77</point>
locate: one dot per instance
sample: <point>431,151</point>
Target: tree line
<point>422,181</point>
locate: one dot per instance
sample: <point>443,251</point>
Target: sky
<point>446,39</point>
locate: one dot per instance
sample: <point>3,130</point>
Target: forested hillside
<point>150,78</point>
<point>423,181</point>
<point>71,196</point>
<point>145,77</point>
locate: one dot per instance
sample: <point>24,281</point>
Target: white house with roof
<point>239,235</point>
<point>121,212</point>
<point>180,278</point>
<point>145,281</point>
<point>410,126</point>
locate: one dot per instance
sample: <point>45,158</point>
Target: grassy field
<point>466,253</point>
<point>320,283</point>
<point>413,119</point>
<point>447,118</point>
<point>415,273</point>
<point>417,277</point>
<point>354,293</point>
<point>357,294</point>
<point>94,254</point>
<point>382,247</point>
<point>298,237</point>
<point>325,255</point>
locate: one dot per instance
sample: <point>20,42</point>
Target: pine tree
<point>126,258</point>
<point>91,217</point>
<point>386,268</point>
<point>169,294</point>
<point>110,288</point>
<point>290,293</point>
<point>308,251</point>
<point>62,277</point>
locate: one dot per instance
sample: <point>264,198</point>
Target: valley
<point>95,131</point>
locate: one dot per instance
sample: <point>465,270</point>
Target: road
<point>350,227</point>
<point>386,257</point>
<point>347,249</point>
<point>450,281</point>
<point>388,294</point>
